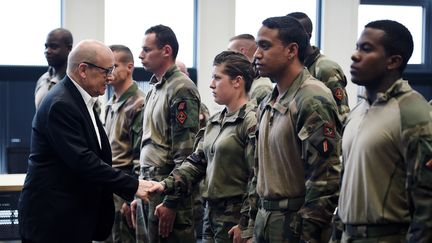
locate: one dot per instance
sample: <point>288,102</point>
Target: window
<point>127,20</point>
<point>415,15</point>
<point>24,30</point>
<point>410,16</point>
<point>249,14</point>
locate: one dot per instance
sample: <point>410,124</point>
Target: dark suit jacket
<point>67,194</point>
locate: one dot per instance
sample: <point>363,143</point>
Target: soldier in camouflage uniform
<point>57,47</point>
<point>123,125</point>
<point>170,123</point>
<point>298,142</point>
<point>386,190</point>
<point>324,69</point>
<point>225,152</point>
<point>198,203</point>
<point>245,44</point>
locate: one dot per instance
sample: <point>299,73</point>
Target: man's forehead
<point>371,35</point>
<point>149,39</point>
<point>265,32</point>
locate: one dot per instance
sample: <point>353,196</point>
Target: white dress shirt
<point>89,101</point>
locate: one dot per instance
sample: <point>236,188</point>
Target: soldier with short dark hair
<point>245,44</point>
<point>386,189</point>
<point>298,141</point>
<point>123,125</point>
<point>324,69</point>
<point>171,120</point>
<point>58,45</point>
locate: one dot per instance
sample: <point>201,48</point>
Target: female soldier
<point>224,154</point>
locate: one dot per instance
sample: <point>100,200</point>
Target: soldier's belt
<point>374,230</point>
<point>151,172</point>
<point>223,202</point>
<point>293,204</point>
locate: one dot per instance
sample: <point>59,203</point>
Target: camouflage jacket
<point>225,156</point>
<point>171,120</point>
<point>298,149</point>
<point>44,84</point>
<point>260,88</point>
<point>331,74</point>
<point>387,152</point>
<point>123,125</point>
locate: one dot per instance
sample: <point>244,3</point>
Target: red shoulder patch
<point>329,130</point>
<point>325,146</point>
<point>338,93</point>
<point>181,106</point>
<point>181,117</point>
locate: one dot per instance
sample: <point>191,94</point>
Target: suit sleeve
<point>69,133</point>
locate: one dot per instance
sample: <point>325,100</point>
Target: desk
<point>11,182</point>
<point>10,189</point>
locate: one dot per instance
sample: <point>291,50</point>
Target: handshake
<point>148,188</point>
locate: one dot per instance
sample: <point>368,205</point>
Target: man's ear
<point>82,70</point>
<point>167,50</point>
<point>394,62</point>
<point>292,50</point>
<point>130,65</point>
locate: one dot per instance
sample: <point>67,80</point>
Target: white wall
<point>339,35</point>
<point>216,25</point>
<point>85,19</point>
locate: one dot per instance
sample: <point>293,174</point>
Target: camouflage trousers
<point>277,226</point>
<point>381,234</point>
<point>219,218</point>
<point>400,238</point>
<point>198,211</point>
<point>121,232</point>
<point>141,230</point>
<point>183,230</point>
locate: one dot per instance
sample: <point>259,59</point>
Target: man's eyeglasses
<point>107,71</point>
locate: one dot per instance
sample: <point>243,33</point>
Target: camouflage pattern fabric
<point>260,88</point>
<point>225,156</point>
<point>123,125</point>
<point>331,74</point>
<point>298,149</point>
<point>170,122</point>
<point>396,131</point>
<point>219,218</point>
<point>278,226</point>
<point>44,84</point>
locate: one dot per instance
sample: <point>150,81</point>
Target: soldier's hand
<point>156,187</point>
<point>235,234</point>
<point>126,211</point>
<point>166,219</point>
<point>133,208</point>
<point>143,190</point>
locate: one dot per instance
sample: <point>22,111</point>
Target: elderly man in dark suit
<point>67,194</point>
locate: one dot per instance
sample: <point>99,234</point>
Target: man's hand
<point>143,190</point>
<point>166,219</point>
<point>133,208</point>
<point>157,187</point>
<point>235,234</point>
<point>126,211</point>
